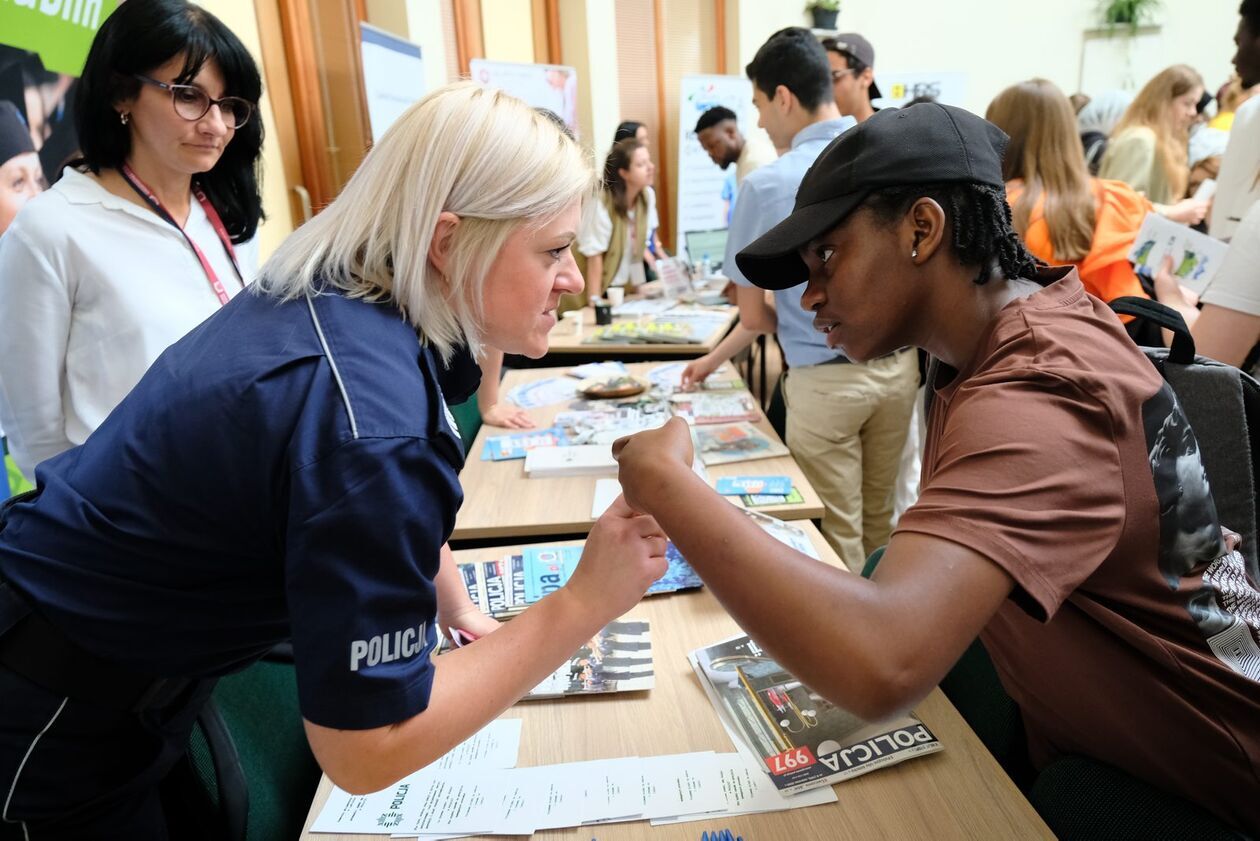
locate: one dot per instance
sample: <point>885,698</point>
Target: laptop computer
<point>712,243</point>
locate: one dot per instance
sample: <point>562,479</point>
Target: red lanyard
<point>139,186</point>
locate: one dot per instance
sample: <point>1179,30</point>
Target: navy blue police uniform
<point>288,470</point>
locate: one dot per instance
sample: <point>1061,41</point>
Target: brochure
<point>739,485</point>
<point>1196,256</point>
<point>512,445</point>
<point>792,497</point>
<point>715,407</point>
<point>801,740</point>
<point>617,659</point>
<point>725,443</point>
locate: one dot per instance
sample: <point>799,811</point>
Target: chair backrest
<point>262,764</point>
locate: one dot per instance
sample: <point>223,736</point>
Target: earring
<point>914,253</point>
<point>123,117</point>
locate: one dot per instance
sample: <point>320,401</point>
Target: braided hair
<point>979,218</point>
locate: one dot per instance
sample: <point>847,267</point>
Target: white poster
<point>706,192</point>
<point>393,76</point>
<point>900,88</point>
<point>551,86</point>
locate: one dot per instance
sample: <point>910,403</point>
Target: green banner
<point>60,31</point>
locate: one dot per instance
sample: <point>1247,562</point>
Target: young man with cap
<point>846,422</point>
<point>1064,518</point>
<point>21,177</point>
<point>852,60</point>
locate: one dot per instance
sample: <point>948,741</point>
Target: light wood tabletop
<point>957,793</point>
<point>500,501</point>
<point>563,341</point>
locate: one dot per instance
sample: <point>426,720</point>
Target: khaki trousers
<point>846,427</point>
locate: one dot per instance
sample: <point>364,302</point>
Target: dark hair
<point>979,218</point>
<point>852,62</point>
<point>713,116</point>
<point>618,159</point>
<point>626,130</point>
<point>1250,11</point>
<point>141,35</point>
<point>558,121</point>
<point>793,58</point>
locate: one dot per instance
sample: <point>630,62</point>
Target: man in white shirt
<point>1238,186</point>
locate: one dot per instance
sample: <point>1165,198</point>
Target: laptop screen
<point>712,243</point>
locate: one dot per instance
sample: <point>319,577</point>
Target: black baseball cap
<point>854,45</point>
<point>928,143</point>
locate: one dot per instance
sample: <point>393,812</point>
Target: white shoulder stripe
<point>18,773</point>
<point>332,363</point>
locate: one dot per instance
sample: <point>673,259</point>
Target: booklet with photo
<point>729,442</point>
<point>617,659</point>
<point>512,445</point>
<point>715,407</point>
<point>1195,256</point>
<point>801,740</point>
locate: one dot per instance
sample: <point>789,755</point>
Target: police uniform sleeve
<point>365,526</point>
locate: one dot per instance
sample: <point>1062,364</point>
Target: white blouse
<point>595,232</point>
<point>92,289</point>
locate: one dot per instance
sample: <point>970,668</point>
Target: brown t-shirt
<point>1131,636</point>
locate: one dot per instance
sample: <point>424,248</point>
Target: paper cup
<point>615,295</point>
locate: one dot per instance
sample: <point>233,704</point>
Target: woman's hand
<point>469,621</point>
<point>645,459</point>
<point>507,416</point>
<point>624,555</point>
<point>1186,211</point>
<point>698,370</point>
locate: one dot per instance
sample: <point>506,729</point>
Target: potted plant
<point>1130,13</point>
<point>824,12</point>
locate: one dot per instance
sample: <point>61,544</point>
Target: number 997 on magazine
<point>791,760</point>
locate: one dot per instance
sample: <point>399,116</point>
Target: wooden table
<point>500,501</point>
<point>958,793</point>
<point>563,343</point>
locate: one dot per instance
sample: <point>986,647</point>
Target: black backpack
<point>1222,405</point>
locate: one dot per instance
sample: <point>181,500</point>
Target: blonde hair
<point>1045,152</point>
<point>476,152</point>
<point>1151,109</point>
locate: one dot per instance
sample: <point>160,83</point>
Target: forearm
<point>471,686</point>
<point>824,625</point>
<point>491,370</point>
<point>755,314</point>
<point>1224,334</point>
<point>739,338</point>
<point>452,595</point>
<point>594,276</point>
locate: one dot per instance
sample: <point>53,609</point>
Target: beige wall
<point>507,30</point>
<point>588,42</point>
<point>418,21</point>
<point>239,16</point>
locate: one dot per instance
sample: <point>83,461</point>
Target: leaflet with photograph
<point>512,445</point>
<point>1195,256</point>
<point>617,659</point>
<point>705,407</point>
<point>801,740</point>
<point>730,442</point>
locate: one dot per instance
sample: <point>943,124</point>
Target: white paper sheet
<point>606,492</point>
<point>543,392</point>
<point>494,746</point>
<point>746,788</point>
<point>501,802</point>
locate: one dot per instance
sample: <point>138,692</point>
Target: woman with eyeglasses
<point>143,237</point>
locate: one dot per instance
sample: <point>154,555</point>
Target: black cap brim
<point>772,260</point>
<point>873,91</point>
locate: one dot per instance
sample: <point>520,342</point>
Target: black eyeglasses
<point>192,103</point>
<point>837,75</point>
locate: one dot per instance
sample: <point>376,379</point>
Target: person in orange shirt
<point>1064,215</point>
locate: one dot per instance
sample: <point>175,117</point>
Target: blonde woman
<point>289,470</point>
<point>1148,149</point>
<point>1062,214</point>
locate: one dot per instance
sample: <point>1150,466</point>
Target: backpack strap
<point>1182,350</point>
